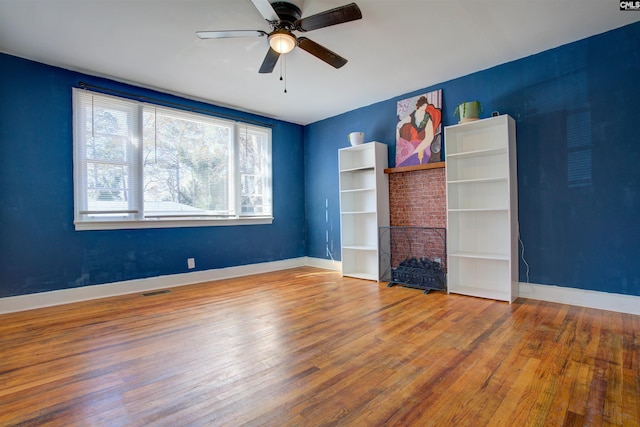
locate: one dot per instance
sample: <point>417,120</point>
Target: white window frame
<point>133,216</point>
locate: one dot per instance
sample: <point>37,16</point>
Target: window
<point>138,165</point>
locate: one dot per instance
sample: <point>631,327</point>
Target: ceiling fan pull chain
<point>285,73</point>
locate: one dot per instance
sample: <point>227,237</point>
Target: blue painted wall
<point>578,159</point>
<point>576,109</point>
<point>39,249</point>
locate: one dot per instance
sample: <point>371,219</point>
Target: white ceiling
<point>399,46</point>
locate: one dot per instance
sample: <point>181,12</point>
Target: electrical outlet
<point>191,263</point>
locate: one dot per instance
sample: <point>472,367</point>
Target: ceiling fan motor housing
<point>288,14</point>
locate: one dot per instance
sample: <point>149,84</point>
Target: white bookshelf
<point>364,207</point>
<point>482,208</point>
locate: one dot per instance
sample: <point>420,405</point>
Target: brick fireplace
<point>416,236</point>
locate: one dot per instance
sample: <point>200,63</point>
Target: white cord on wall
<point>522,256</point>
<point>327,226</point>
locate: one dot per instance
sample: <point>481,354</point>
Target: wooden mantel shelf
<point>434,165</point>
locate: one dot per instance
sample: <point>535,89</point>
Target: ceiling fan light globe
<point>282,42</point>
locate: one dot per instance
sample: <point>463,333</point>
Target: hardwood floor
<point>307,347</point>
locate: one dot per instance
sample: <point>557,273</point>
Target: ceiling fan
<point>283,18</point>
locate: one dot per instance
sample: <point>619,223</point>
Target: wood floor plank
<point>308,347</point>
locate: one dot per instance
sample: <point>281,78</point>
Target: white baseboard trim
<point>581,297</point>
<point>66,296</point>
<point>326,264</point>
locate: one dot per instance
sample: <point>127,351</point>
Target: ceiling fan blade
<point>321,52</point>
<point>266,10</point>
<point>229,34</point>
<point>350,12</point>
<point>269,62</point>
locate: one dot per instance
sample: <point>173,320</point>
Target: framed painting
<point>419,129</point>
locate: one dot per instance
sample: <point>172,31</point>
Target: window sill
<point>169,223</point>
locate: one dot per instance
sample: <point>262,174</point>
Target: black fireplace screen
<point>414,257</point>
